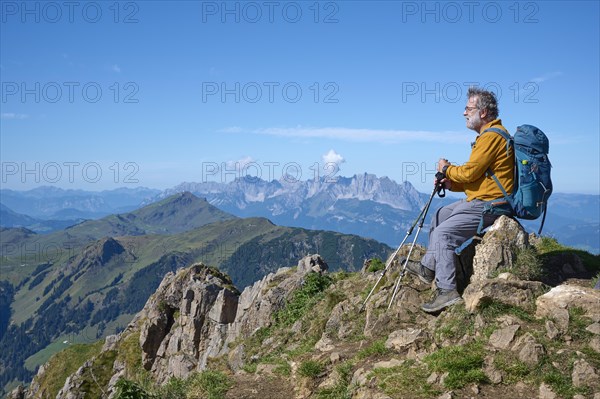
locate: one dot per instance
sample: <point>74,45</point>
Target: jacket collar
<point>495,122</point>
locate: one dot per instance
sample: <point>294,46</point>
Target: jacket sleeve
<point>457,187</point>
<point>483,154</point>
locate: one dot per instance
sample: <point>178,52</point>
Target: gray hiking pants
<point>450,227</point>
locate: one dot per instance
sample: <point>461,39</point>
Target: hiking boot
<point>443,299</point>
<point>416,268</point>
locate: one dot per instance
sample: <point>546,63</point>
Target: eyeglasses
<point>469,109</point>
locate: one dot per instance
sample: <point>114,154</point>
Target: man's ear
<point>484,114</point>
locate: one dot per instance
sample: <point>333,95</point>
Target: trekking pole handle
<point>440,189</point>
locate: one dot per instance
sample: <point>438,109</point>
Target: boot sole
<point>441,307</point>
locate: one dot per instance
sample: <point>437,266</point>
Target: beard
<point>474,122</point>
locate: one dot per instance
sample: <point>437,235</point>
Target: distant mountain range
<point>366,205</point>
<point>51,203</point>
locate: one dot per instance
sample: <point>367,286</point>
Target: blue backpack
<point>533,185</point>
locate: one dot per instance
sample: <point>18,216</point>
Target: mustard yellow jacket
<point>488,151</point>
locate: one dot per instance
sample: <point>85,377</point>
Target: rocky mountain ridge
<point>292,192</point>
<point>299,333</point>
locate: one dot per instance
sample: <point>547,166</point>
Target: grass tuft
<point>462,362</point>
<point>310,368</point>
<point>303,299</point>
<point>405,381</point>
<point>376,348</point>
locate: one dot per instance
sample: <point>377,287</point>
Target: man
<point>455,223</point>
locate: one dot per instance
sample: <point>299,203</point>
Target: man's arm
<point>482,156</point>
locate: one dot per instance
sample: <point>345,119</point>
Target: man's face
<point>472,115</point>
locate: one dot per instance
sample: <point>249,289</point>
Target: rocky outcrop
<point>196,314</point>
<point>182,324</point>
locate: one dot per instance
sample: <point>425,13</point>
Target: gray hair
<point>485,100</point>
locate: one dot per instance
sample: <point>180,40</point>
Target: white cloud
<point>546,76</point>
<point>240,164</point>
<point>360,135</point>
<point>12,115</point>
<point>333,157</point>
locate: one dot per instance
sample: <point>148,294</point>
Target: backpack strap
<point>543,219</point>
<point>507,137</point>
<point>490,172</point>
<point>495,206</point>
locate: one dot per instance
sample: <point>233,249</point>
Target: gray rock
<point>446,395</point>
<point>433,378</point>
<point>336,326</point>
<point>335,357</point>
<point>551,330</point>
<point>498,248</point>
<point>312,263</point>
<point>118,372</point>
<point>502,338</point>
<point>73,384</point>
<point>546,392</point>
<point>359,377</point>
<point>402,338</point>
<point>17,393</point>
<point>258,302</point>
<point>325,344</point>
<point>508,290</point>
<point>595,344</point>
<point>235,358</point>
<point>491,372</point>
<point>110,343</point>
<point>584,374</point>
<point>556,303</point>
<point>185,322</point>
<point>594,328</point>
<point>388,364</point>
<point>531,352</point>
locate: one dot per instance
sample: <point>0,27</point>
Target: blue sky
<point>99,95</point>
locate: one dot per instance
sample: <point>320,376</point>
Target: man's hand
<point>447,183</point>
<point>441,163</point>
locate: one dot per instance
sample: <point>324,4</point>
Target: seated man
<point>453,224</point>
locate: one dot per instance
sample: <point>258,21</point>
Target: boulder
<point>498,248</point>
<point>312,263</point>
<point>506,289</point>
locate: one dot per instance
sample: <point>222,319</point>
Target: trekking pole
<point>390,261</point>
<point>437,189</point>
<point>393,256</point>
